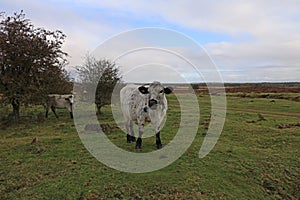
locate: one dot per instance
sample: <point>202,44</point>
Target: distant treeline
<point>264,84</point>
<point>265,87</point>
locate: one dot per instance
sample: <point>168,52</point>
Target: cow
<point>59,101</point>
<point>141,103</point>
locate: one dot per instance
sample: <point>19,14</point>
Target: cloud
<point>272,30</point>
<point>261,34</point>
<point>259,18</point>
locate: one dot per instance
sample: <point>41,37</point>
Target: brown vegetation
<point>263,89</point>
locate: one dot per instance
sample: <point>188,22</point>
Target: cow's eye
<point>161,91</point>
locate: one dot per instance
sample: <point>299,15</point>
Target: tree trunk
<point>16,108</point>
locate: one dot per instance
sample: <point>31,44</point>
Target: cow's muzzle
<point>153,104</point>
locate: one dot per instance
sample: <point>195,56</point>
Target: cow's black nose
<point>153,104</point>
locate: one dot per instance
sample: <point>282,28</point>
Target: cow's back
<point>58,101</point>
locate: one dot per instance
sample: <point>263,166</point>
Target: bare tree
<point>100,73</point>
<point>31,61</point>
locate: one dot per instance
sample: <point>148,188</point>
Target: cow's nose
<point>153,104</point>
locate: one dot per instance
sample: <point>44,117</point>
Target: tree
<point>31,61</point>
<point>100,73</point>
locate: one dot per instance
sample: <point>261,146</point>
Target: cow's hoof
<point>138,143</point>
<point>159,146</point>
<point>128,138</point>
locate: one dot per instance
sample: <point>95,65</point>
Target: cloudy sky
<point>249,41</point>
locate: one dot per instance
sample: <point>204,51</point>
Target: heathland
<point>256,156</point>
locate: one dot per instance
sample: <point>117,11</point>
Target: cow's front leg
<point>132,137</point>
<point>47,110</point>
<point>71,115</point>
<point>139,140</point>
<point>130,132</point>
<point>157,125</point>
<point>128,138</point>
<point>71,111</point>
<point>158,141</point>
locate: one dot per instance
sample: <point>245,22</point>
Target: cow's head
<point>70,99</point>
<point>156,92</point>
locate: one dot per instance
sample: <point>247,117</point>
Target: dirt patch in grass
<point>291,125</point>
<point>260,118</point>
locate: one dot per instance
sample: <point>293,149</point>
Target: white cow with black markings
<point>144,102</point>
<point>54,101</point>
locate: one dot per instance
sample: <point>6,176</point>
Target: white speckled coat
<point>135,106</point>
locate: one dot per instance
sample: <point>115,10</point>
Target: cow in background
<point>141,103</point>
<point>54,101</point>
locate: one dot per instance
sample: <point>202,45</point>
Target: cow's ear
<point>168,90</point>
<point>143,90</point>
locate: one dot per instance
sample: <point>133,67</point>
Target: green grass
<point>253,159</point>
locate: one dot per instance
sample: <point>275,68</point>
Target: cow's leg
<point>53,110</point>
<point>158,141</point>
<point>130,132</point>
<point>139,140</point>
<point>132,137</point>
<point>127,124</point>
<point>69,107</point>
<point>47,110</point>
<point>156,123</point>
<point>128,138</point>
<point>70,111</point>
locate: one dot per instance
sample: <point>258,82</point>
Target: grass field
<point>256,157</point>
